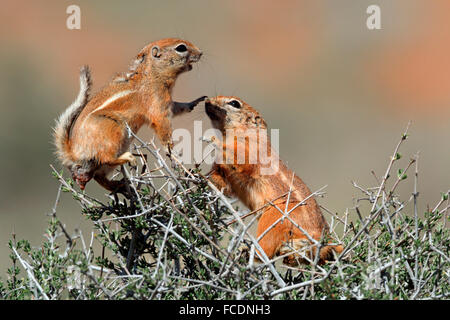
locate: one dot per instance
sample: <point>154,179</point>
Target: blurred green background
<point>340,94</point>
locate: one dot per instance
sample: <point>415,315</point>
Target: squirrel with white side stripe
<point>91,135</point>
<point>263,193</point>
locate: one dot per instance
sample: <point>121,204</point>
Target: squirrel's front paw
<point>194,103</point>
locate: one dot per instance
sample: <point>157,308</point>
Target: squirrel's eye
<point>235,104</point>
<point>181,48</point>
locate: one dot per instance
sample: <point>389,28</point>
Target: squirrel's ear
<point>141,57</point>
<point>156,52</point>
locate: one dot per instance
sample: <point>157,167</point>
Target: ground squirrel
<point>245,180</point>
<point>91,135</point>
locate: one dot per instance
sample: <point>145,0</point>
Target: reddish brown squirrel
<point>246,181</point>
<point>91,135</point>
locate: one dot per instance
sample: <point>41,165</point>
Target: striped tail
<point>65,121</point>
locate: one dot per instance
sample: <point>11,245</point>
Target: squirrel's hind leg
<point>126,157</point>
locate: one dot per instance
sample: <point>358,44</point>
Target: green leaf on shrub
<point>401,175</point>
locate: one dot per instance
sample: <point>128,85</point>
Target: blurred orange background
<point>340,94</point>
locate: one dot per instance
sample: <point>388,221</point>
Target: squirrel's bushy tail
<point>66,119</point>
